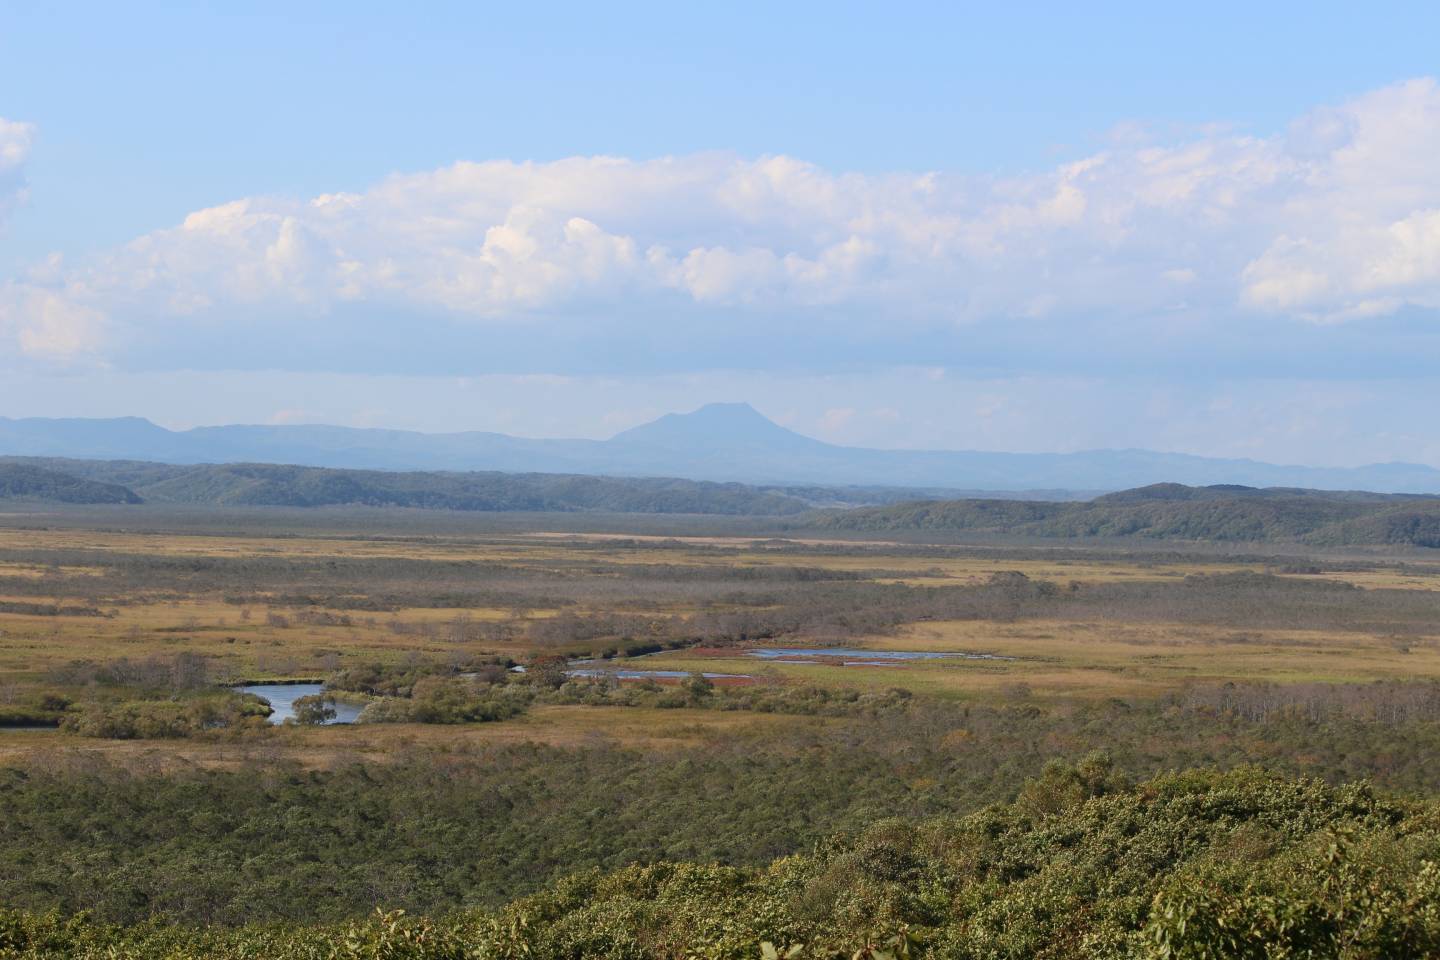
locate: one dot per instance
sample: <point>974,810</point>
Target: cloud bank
<point>1334,221</point>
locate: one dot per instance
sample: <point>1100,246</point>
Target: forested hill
<point>1162,511</point>
<point>124,481</point>
<point>19,481</point>
<point>1174,512</point>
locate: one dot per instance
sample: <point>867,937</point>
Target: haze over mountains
<point>719,442</point>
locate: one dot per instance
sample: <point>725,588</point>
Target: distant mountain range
<point>719,442</point>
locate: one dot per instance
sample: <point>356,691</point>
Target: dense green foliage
<point>1174,512</point>
<point>429,832</point>
<point>1081,865</point>
<point>437,830</point>
<point>19,481</point>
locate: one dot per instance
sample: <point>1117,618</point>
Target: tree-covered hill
<point>1173,512</point>
<point>266,485</point>
<point>1169,511</point>
<point>20,481</point>
<point>259,484</point>
<point>272,485</point>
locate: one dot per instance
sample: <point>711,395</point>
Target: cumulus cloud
<point>15,140</point>
<point>1335,219</point>
<point>1359,230</point>
<point>34,320</point>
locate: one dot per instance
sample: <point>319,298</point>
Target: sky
<point>1033,227</point>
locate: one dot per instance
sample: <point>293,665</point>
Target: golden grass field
<point>1056,660</point>
<point>1077,660</point>
<point>240,637</point>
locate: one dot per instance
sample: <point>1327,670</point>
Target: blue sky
<point>1028,226</point>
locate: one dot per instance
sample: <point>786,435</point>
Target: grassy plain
<point>261,603</point>
<point>1063,660</point>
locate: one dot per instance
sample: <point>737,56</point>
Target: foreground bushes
<point>1081,864</point>
<point>436,829</point>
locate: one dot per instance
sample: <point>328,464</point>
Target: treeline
<point>1083,863</point>
<point>248,484</point>
<point>1173,512</point>
<point>1223,513</point>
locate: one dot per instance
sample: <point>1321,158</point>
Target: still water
<point>654,674</point>
<point>282,697</point>
<point>806,654</point>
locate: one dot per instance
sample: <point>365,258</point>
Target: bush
<point>166,719</point>
<point>314,709</point>
<point>450,700</point>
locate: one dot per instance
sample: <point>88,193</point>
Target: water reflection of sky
<point>282,697</point>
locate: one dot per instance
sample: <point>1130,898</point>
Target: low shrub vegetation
<point>1082,863</point>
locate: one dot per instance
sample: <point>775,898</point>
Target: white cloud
<point>1359,233</point>
<point>15,141</point>
<point>49,327</point>
<point>37,322</point>
<point>1336,219</point>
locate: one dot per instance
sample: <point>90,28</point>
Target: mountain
<point>734,427</point>
<point>20,481</point>
<point>719,442</point>
<point>1224,512</point>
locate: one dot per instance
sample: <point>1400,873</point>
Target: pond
<point>855,657</point>
<point>654,674</point>
<point>282,697</point>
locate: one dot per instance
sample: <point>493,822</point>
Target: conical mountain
<point>717,428</point>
